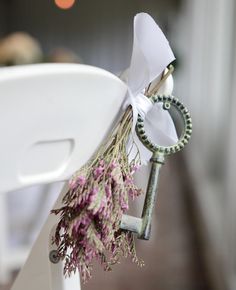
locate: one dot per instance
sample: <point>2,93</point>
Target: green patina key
<point>142,226</point>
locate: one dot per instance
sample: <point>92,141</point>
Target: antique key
<point>142,226</point>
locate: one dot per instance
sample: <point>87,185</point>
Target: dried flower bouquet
<point>89,226</point>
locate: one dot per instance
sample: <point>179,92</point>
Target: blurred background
<point>194,230</point>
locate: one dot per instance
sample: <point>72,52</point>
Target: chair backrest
<point>53,117</point>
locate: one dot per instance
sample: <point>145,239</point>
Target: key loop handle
<point>167,101</point>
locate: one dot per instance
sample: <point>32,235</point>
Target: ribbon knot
<point>143,105</point>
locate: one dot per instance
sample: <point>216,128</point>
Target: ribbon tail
<point>151,53</point>
<point>160,126</point>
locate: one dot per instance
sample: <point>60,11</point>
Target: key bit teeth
<point>131,223</point>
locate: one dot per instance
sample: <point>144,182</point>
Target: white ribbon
<point>151,55</point>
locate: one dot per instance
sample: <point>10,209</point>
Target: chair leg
<point>5,276</point>
<point>4,271</point>
<point>38,272</point>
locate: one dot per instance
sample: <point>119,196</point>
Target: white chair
<point>53,117</point>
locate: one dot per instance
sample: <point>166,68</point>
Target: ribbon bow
<point>151,55</point>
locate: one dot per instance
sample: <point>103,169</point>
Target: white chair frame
<point>53,117</point>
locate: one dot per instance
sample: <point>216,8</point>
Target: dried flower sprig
<point>93,207</point>
<point>89,226</point>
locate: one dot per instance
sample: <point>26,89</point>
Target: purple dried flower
<point>128,180</point>
<point>113,165</point>
<point>72,184</point>
<point>98,171</point>
<point>124,206</point>
<point>81,180</point>
<point>101,163</point>
<point>93,195</point>
<point>134,168</point>
<point>93,207</point>
<point>108,190</point>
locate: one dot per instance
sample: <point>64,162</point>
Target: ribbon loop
<point>150,57</point>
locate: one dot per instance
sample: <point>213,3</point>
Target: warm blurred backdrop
<point>194,240</point>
